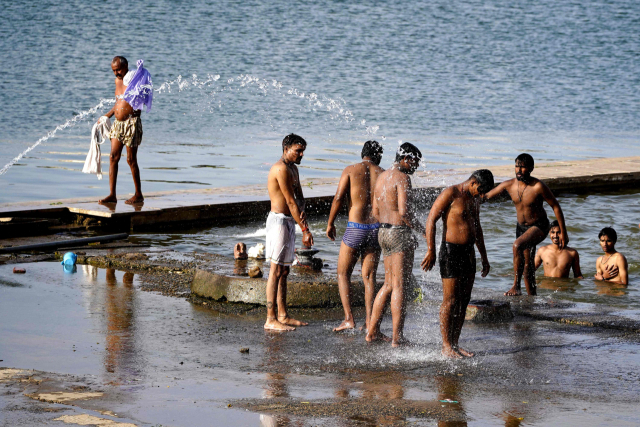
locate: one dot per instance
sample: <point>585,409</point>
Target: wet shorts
<point>361,236</point>
<point>128,131</point>
<point>456,260</point>
<point>396,238</point>
<point>542,224</point>
<point>281,239</point>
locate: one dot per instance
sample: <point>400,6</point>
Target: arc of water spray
<point>65,125</point>
<point>245,80</point>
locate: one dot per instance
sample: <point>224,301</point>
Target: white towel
<point>99,134</point>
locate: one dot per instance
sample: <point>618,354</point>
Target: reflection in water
<point>558,284</point>
<point>611,289</point>
<point>276,382</point>
<point>449,388</point>
<point>120,316</point>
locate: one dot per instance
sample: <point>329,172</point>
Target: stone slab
<point>300,293</point>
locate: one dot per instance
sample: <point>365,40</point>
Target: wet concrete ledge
<point>219,206</point>
<point>302,291</point>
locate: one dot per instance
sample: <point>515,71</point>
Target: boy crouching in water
<point>459,207</point>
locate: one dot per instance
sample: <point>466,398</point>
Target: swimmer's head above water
<point>120,66</point>
<point>408,158</point>
<point>608,238</point>
<point>372,150</point>
<point>524,167</point>
<point>481,182</point>
<point>554,232</point>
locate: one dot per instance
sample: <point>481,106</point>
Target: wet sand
<point>164,360</point>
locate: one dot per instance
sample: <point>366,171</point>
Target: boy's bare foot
<point>379,336</point>
<point>109,199</point>
<point>273,325</point>
<point>514,291</point>
<point>137,198</point>
<point>465,353</point>
<point>450,353</point>
<point>286,320</point>
<point>401,342</point>
<point>346,324</point>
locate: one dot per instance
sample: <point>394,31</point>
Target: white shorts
<point>281,239</point>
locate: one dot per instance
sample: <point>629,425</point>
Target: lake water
<point>472,83</point>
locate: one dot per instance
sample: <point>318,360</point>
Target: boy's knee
<point>114,157</point>
<point>131,160</point>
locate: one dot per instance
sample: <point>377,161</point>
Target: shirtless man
<point>459,207</point>
<point>287,209</point>
<point>528,194</point>
<point>391,206</point>
<point>558,262</point>
<point>126,131</point>
<point>361,236</point>
<point>612,266</point>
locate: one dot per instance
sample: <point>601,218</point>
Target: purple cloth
<point>139,92</point>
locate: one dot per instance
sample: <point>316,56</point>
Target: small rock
<point>17,270</point>
<point>244,350</point>
<point>255,272</point>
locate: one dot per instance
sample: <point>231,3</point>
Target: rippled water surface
<point>472,83</point>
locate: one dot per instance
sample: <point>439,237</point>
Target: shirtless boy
<point>361,236</point>
<point>558,262</point>
<point>391,206</point>
<point>612,266</point>
<point>287,209</point>
<point>528,194</point>
<point>459,207</point>
<point>126,131</point>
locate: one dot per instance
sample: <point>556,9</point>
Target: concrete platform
<point>302,291</point>
<point>230,204</point>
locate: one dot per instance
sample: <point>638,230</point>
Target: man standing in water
<point>528,193</point>
<point>612,266</point>
<point>126,131</point>
<point>361,236</point>
<point>459,207</point>
<point>391,206</point>
<point>558,262</point>
<point>287,209</point>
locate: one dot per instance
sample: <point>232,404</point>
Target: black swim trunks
<point>457,260</point>
<point>542,224</point>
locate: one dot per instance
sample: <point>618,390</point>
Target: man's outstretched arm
<point>497,191</point>
<point>577,273</point>
<point>548,196</point>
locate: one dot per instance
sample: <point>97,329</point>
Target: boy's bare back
<point>390,195</point>
<point>361,179</point>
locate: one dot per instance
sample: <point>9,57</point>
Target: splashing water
<point>335,107</point>
<point>68,123</point>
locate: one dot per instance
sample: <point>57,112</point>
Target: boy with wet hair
<point>528,195</point>
<point>558,262</point>
<point>459,208</point>
<point>392,207</point>
<point>287,209</point>
<point>612,266</point>
<point>361,236</point>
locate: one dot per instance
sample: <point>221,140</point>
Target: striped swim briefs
<point>361,236</point>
